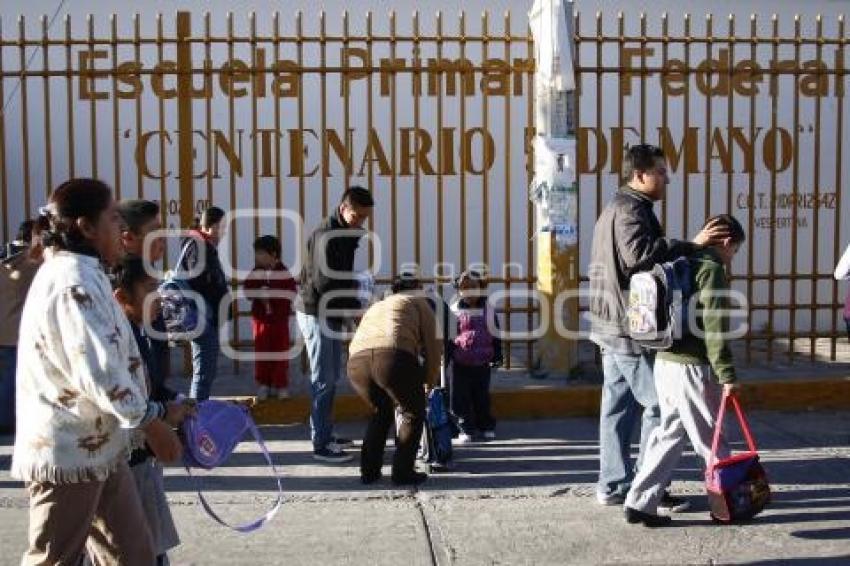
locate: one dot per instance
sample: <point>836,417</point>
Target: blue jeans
<point>628,385</point>
<point>205,349</point>
<point>325,355</point>
<point>8,363</point>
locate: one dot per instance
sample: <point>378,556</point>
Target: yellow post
<point>554,186</point>
<point>557,276</point>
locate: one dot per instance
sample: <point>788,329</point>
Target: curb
<point>573,401</point>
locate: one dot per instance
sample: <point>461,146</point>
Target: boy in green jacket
<point>688,379</point>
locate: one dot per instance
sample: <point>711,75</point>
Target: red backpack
<point>737,486</point>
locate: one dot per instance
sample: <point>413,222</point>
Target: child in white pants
<point>690,378</point>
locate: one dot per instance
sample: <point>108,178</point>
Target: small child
<point>132,287</point>
<point>474,352</point>
<point>270,318</point>
<point>690,378</point>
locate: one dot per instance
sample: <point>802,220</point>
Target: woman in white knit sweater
<point>82,394</point>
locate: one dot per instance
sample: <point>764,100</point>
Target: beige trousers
<point>105,517</point>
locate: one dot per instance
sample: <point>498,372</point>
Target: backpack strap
<point>269,515</point>
<point>184,249</point>
<point>718,426</point>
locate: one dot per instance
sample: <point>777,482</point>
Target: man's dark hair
<point>268,244</point>
<point>129,272</point>
<point>357,196</point>
<point>136,213</point>
<point>211,217</point>
<point>642,157</point>
<point>733,227</point>
<point>25,231</point>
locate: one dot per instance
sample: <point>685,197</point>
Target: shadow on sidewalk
<point>820,561</point>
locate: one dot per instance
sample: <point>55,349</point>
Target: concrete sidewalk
<point>237,379</point>
<point>526,498</point>
<point>778,384</point>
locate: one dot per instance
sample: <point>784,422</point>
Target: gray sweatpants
<point>689,398</point>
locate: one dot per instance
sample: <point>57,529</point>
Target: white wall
<point>785,257</point>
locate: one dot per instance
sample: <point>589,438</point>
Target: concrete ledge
<point>576,401</point>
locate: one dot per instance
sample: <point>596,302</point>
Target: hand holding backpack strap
<point>269,515</point>
<point>718,426</point>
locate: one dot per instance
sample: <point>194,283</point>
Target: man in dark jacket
<point>327,296</point>
<point>628,238</point>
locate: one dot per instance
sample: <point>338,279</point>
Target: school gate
<point>270,116</point>
<point>279,113</point>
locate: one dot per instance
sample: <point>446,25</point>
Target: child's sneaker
<point>489,435</point>
<point>464,438</point>
<point>610,499</point>
<point>262,393</point>
<point>282,393</point>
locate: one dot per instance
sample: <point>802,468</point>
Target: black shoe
<point>332,454</point>
<point>415,478</point>
<point>672,504</point>
<point>342,442</point>
<point>370,478</point>
<point>634,516</point>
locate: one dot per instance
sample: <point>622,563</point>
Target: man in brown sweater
<point>385,369</point>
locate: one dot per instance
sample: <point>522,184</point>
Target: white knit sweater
<point>80,382</point>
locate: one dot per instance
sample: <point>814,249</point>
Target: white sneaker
<point>464,438</point>
<point>282,393</point>
<point>610,499</point>
<point>262,393</point>
<point>489,435</point>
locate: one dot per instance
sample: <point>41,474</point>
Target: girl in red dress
<point>270,314</point>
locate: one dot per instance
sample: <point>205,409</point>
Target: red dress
<point>270,323</point>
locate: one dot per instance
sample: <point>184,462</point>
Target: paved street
<point>524,499</point>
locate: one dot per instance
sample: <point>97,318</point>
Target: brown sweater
<point>401,322</point>
<point>16,275</point>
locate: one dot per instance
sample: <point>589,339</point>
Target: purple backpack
<point>474,343</point>
<point>209,440</point>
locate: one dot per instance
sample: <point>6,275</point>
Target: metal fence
<point>714,95</point>
<point>74,97</point>
<point>79,96</point>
